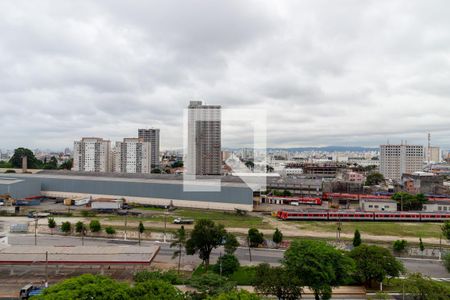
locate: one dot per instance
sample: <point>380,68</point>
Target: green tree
<point>408,201</point>
<point>423,288</point>
<point>374,264</point>
<point>67,165</point>
<point>399,246</point>
<point>79,227</point>
<point>168,276</point>
<point>141,230</point>
<point>205,237</point>
<point>445,228</point>
<point>66,227</point>
<point>32,161</point>
<point>231,243</point>
<point>250,165</point>
<point>180,243</point>
<point>318,266</point>
<point>155,289</point>
<point>237,295</point>
<point>357,238</point>
<point>446,259</point>
<point>421,245</point>
<point>226,265</point>
<point>52,164</point>
<point>95,226</point>
<point>277,237</point>
<point>86,286</point>
<point>277,281</point>
<point>177,164</point>
<point>269,169</point>
<point>51,224</point>
<point>211,284</point>
<point>5,164</point>
<point>254,237</point>
<point>374,179</point>
<point>110,230</point>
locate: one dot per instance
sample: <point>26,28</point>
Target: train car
<point>397,216</point>
<point>351,216</point>
<point>303,215</point>
<point>434,217</point>
<point>291,200</point>
<point>365,216</point>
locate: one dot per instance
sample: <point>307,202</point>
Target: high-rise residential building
<point>396,160</point>
<point>151,136</point>
<point>433,154</point>
<point>132,155</point>
<point>92,154</point>
<point>204,139</point>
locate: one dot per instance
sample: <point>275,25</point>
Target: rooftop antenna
<point>429,148</point>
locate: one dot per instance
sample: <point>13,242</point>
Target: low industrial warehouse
<point>157,190</point>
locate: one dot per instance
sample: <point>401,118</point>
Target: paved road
<point>429,267</point>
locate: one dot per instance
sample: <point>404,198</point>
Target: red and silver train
<point>291,200</point>
<point>363,216</point>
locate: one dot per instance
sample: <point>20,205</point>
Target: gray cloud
<point>346,72</point>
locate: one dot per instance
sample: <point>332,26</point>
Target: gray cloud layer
<point>328,72</point>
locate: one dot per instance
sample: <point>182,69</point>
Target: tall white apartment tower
<point>204,139</point>
<point>151,136</point>
<point>133,155</point>
<point>92,154</point>
<point>396,160</point>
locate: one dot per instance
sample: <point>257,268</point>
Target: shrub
<point>169,276</point>
<point>400,246</point>
<point>228,263</point>
<point>110,230</point>
<point>66,227</point>
<point>79,226</point>
<point>95,226</point>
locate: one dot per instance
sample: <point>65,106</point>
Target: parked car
<point>183,221</point>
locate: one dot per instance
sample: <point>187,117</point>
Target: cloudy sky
<point>327,72</point>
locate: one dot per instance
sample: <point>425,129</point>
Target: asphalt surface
<point>429,267</point>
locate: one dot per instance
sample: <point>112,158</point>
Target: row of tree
<point>94,227</point>
<point>33,162</point>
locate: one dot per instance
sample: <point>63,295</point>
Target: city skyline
<point>324,78</point>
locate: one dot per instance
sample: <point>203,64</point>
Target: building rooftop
<point>123,254</point>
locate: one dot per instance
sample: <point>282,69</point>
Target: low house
<point>375,205</point>
<point>437,206</point>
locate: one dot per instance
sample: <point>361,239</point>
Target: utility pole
<point>35,230</point>
<point>126,221</point>
<point>165,225</point>
<point>440,246</point>
<point>83,233</point>
<point>249,248</point>
<point>220,263</point>
<point>401,202</point>
<point>46,267</point>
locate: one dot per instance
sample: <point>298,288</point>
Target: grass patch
<point>244,275</point>
<point>229,219</point>
<point>400,229</point>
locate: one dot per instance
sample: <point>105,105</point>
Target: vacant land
<point>228,219</point>
<point>399,229</point>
